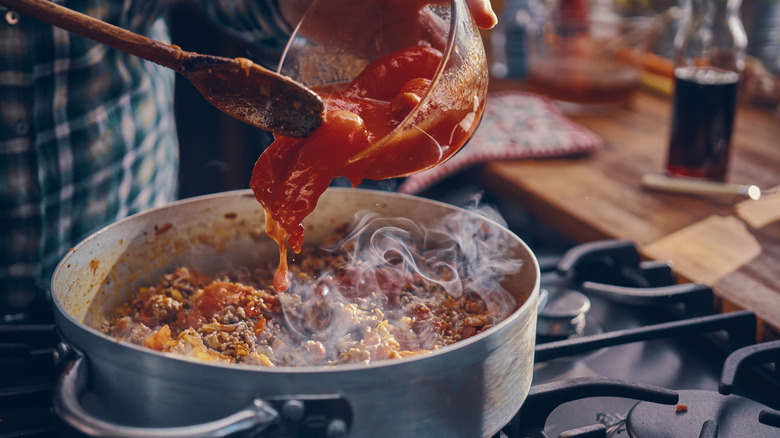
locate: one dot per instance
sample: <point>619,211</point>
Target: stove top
<point>622,351</point>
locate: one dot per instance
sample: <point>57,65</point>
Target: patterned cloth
<point>87,133</point>
<point>515,125</point>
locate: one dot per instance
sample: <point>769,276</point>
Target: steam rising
<point>462,254</point>
<point>382,258</point>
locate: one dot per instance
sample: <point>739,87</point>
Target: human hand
<point>483,14</point>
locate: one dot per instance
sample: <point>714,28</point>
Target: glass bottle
<point>709,59</point>
<point>519,20</point>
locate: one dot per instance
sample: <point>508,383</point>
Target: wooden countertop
<point>731,245</point>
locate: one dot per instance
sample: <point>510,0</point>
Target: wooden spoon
<point>238,87</point>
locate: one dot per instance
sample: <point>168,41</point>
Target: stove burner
<point>564,313</point>
<point>546,397</point>
<point>697,412</point>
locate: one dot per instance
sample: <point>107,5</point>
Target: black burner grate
<point>28,372</point>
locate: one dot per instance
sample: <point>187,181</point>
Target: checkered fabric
<point>87,133</point>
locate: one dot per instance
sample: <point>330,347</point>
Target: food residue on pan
<point>158,230</point>
<point>94,264</point>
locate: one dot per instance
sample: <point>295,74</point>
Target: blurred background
<point>526,44</point>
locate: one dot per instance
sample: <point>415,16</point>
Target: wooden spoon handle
<point>100,31</point>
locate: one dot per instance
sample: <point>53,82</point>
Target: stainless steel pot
<point>469,389</point>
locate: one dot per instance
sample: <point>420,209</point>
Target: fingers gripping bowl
<point>470,388</point>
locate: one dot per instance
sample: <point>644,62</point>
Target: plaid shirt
<point>87,133</point>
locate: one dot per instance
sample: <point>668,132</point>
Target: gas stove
<point>623,350</point>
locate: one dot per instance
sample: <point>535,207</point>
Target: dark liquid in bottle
<point>703,110</point>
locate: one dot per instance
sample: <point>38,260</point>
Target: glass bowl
<point>587,58</point>
<point>447,114</point>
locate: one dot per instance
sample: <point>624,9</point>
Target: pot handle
<point>294,419</point>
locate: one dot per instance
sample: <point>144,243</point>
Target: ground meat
<point>330,315</point>
<point>164,308</point>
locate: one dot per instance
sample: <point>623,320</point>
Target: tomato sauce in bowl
<point>354,142</point>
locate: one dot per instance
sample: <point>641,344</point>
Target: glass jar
<point>587,54</point>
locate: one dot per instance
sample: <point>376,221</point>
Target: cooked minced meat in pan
<point>330,315</point>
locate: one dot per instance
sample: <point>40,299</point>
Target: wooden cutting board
<point>731,244</point>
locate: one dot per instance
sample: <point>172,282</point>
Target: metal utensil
<point>693,186</point>
<point>237,86</point>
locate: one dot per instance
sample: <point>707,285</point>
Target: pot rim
<point>531,299</point>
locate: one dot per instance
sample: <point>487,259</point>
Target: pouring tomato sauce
<point>291,175</point>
